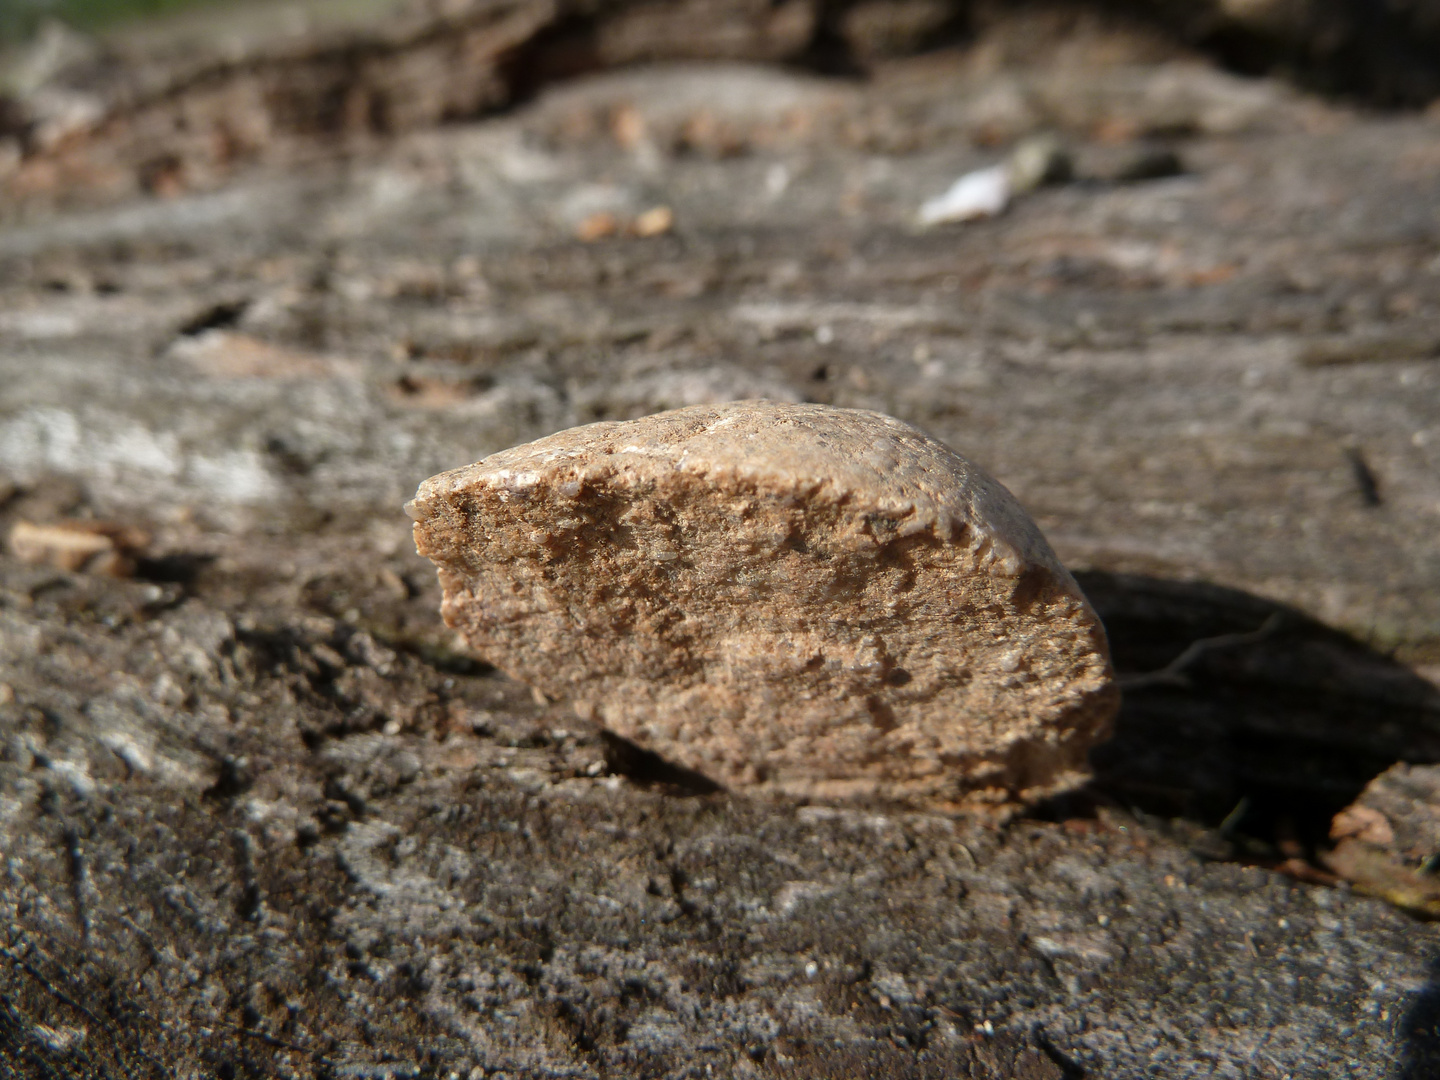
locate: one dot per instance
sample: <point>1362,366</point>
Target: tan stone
<point>97,547</point>
<point>787,598</point>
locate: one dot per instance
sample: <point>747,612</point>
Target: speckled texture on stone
<point>789,598</point>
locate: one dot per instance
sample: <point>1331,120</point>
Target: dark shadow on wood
<point>1421,1032</point>
<point>180,568</point>
<point>647,767</point>
<point>1246,716</point>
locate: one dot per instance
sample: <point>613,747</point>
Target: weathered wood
<point>259,818</point>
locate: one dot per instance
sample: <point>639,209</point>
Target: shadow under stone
<point>180,568</point>
<point>647,767</point>
<point>1246,715</point>
<point>1421,1032</point>
<point>1241,715</point>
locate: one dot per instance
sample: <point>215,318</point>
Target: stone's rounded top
<point>866,460</point>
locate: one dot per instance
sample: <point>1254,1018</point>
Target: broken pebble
<point>96,547</point>
<point>986,193</point>
<point>789,599</point>
<point>983,193</point>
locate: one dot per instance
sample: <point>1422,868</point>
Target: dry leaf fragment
<point>1363,823</point>
<point>1389,838</point>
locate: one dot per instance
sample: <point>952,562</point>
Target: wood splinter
<point>790,599</point>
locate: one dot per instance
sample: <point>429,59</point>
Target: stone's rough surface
<point>793,598</point>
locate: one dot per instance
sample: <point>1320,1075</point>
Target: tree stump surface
<point>258,816</point>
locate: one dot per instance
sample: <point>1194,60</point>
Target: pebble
<point>97,547</point>
<point>790,599</point>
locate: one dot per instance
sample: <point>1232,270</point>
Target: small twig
<point>271,1040</point>
<point>80,880</point>
<point>1173,673</point>
<point>1365,480</point>
<point>252,898</point>
<point>54,991</point>
<point>278,1043</point>
<point>65,999</point>
<point>1233,819</point>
